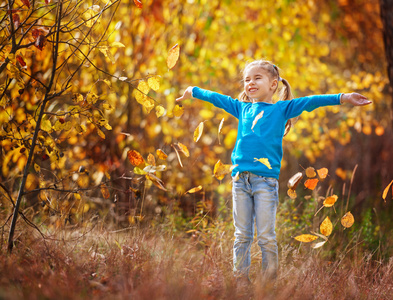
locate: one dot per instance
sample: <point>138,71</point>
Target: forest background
<point>91,136</point>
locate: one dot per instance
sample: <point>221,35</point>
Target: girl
<point>258,153</point>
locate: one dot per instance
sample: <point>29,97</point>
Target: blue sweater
<point>262,137</point>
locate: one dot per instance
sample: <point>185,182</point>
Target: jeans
<point>255,198</point>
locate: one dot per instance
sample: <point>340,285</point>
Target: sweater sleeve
<point>293,108</point>
<point>227,103</point>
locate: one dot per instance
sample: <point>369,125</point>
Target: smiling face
<point>258,85</point>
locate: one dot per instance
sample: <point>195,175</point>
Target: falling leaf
<point>154,83</point>
<point>183,149</point>
<point>322,173</point>
<point>219,129</point>
<point>310,172</point>
<point>198,132</point>
<point>294,180</point>
<point>138,3</point>
<point>194,190</point>
<point>37,168</point>
<point>306,238</point>
<point>135,158</point>
<point>347,220</point>
<point>173,56</point>
<point>178,110</point>
<point>100,133</point>
<point>326,227</point>
<point>264,161</point>
<point>161,154</point>
<point>177,154</point>
<point>40,42</point>
<point>386,190</point>
<point>157,181</point>
<point>311,183</point>
<point>220,169</point>
<point>123,78</point>
<point>160,111</point>
<point>259,116</point>
<point>329,201</point>
<point>318,245</point>
<point>292,194</point>
<point>151,159</point>
<point>105,191</point>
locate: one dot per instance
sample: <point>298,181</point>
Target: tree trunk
<point>386,7</point>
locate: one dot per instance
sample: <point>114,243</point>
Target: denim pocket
<point>272,182</point>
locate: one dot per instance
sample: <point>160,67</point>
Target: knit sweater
<point>261,128</point>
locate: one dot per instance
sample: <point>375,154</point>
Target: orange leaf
<point>173,56</point>
<point>311,183</point>
<point>26,2</point>
<point>105,191</point>
<point>347,220</point>
<point>183,149</point>
<point>157,181</point>
<point>322,173</point>
<point>20,60</point>
<point>310,172</point>
<point>135,158</point>
<point>220,170</point>
<point>138,3</point>
<point>151,160</point>
<point>386,190</point>
<point>306,238</point>
<point>292,194</point>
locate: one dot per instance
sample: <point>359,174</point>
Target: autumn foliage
<point>90,134</point>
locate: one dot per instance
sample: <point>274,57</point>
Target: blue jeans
<point>255,198</point>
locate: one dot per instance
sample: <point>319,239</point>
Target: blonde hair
<point>273,72</point>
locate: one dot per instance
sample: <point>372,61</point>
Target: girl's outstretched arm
<point>187,94</point>
<point>354,99</point>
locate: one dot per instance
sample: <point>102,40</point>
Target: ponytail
<point>286,94</point>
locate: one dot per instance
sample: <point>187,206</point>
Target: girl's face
<point>258,85</point>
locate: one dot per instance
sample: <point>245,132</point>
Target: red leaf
<point>138,3</point>
<point>35,32</point>
<point>40,42</point>
<point>26,2</point>
<point>20,60</point>
<point>47,1</point>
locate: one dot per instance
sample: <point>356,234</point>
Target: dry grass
<point>154,264</point>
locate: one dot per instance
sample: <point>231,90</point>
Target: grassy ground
<point>152,263</point>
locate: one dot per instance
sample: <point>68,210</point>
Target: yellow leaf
<point>292,194</point>
<point>143,87</point>
<point>117,44</point>
<point>151,160</point>
<point>310,172</point>
<point>294,180</point>
<point>37,168</point>
<point>220,169</point>
<point>326,227</point>
<point>198,132</point>
<point>194,190</point>
<point>386,190</point>
<point>161,154</point>
<point>306,238</point>
<point>160,111</point>
<point>183,149</point>
<point>178,110</point>
<point>173,56</point>
<point>154,83</point>
<point>322,173</point>
<point>347,220</point>
<point>264,161</point>
<point>139,171</point>
<point>157,181</point>
<point>77,196</point>
<point>329,201</point>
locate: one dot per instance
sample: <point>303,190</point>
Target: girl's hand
<point>187,94</point>
<point>355,99</point>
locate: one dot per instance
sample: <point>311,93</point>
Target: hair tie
<point>279,78</point>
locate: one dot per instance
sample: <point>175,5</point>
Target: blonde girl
<point>258,152</point>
